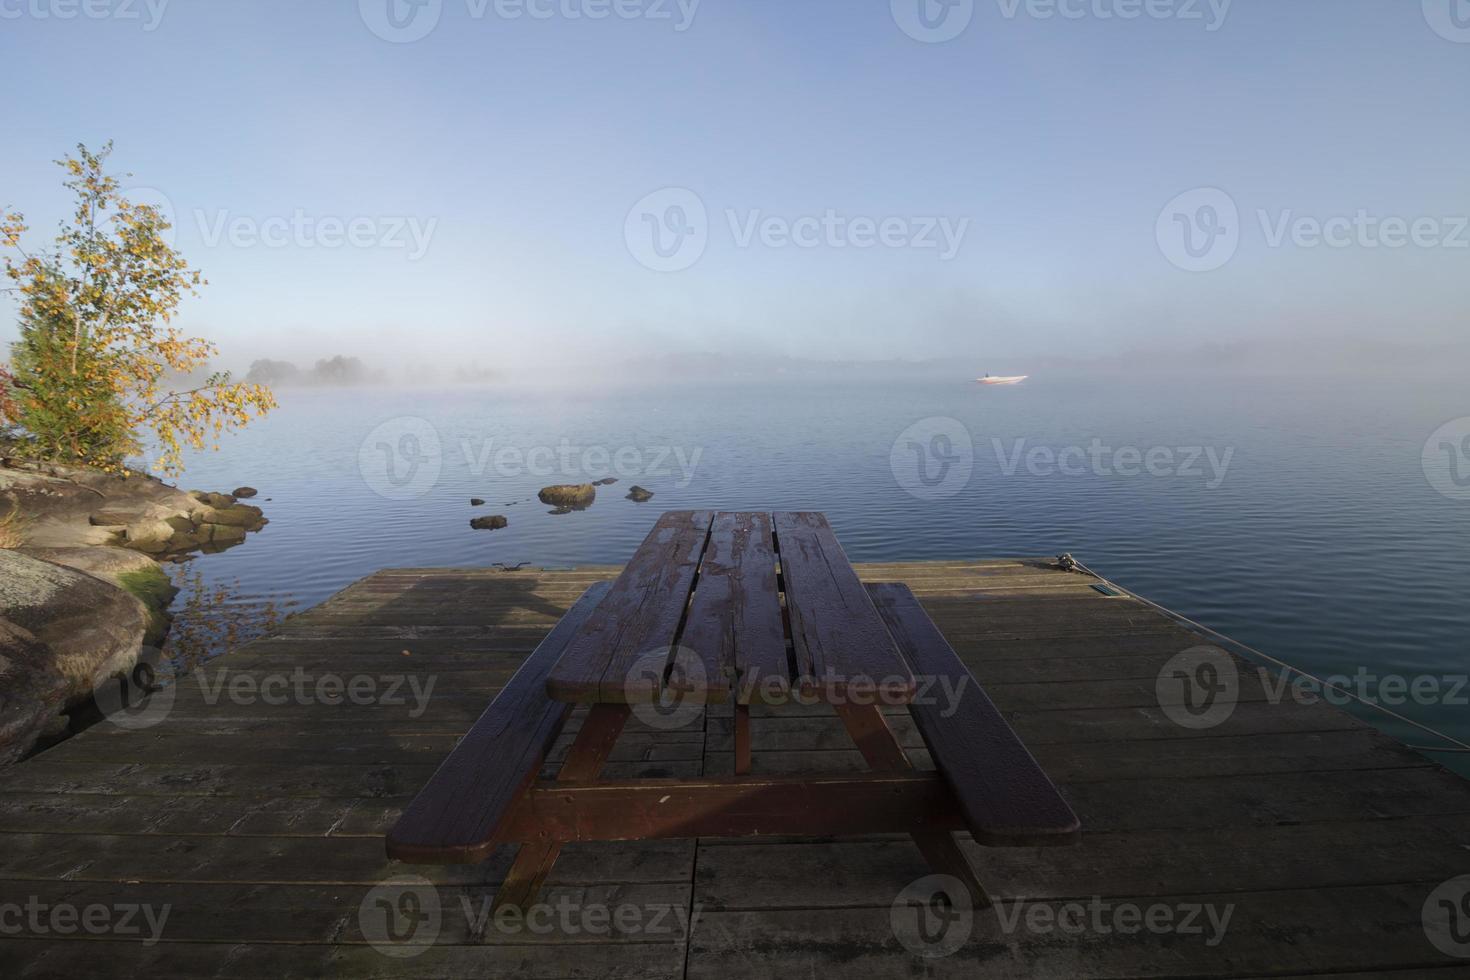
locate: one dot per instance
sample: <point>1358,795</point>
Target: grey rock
<point>150,537</point>
<point>114,517</point>
<point>30,692</point>
<point>64,506</point>
<point>104,563</point>
<point>63,629</point>
<point>132,571</point>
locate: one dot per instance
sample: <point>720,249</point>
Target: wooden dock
<point>253,815</point>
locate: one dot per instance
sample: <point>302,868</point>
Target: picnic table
<point>742,608</point>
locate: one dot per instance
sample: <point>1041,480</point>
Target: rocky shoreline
<point>83,596</point>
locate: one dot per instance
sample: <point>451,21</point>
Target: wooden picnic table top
<point>708,602</point>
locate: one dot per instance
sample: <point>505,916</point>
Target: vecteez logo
<point>401,458</point>
<point>932,21</point>
<point>406,21</point>
<point>668,230</point>
<point>1450,19</point>
<point>401,21</point>
<point>1199,231</point>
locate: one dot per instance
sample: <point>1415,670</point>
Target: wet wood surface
<point>260,825</point>
<point>734,625</point>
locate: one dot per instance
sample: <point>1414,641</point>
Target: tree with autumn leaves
<point>91,379</point>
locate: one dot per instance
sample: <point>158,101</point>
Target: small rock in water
<point>639,494</point>
<point>493,523</point>
<point>476,502</point>
<point>605,481</point>
<point>244,492</point>
<point>575,495</point>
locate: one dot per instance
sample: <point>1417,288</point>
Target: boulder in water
<point>577,496</point>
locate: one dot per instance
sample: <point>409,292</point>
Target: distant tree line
<point>342,371</point>
<point>336,372</point>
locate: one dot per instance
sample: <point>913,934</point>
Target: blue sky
<point>516,148</point>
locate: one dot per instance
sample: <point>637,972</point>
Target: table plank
<point>843,649</point>
<point>734,623</point>
<point>641,613</point>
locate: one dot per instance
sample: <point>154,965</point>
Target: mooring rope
<point>1070,563</point>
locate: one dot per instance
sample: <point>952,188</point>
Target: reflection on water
<point>213,616</point>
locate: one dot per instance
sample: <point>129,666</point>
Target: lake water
<point>1296,516</point>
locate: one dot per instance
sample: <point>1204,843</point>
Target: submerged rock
<point>637,493</point>
<point>606,481</point>
<point>493,523</point>
<point>577,496</point>
<point>221,536</point>
<point>239,515</point>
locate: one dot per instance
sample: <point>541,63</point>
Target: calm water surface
<point>1311,532</point>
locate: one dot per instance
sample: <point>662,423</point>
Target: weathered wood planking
<point>842,646</point>
<point>641,613</point>
<point>734,623</point>
<point>1006,798</point>
<point>457,812</point>
<point>261,825</point>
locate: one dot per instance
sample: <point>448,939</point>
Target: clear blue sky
<point>524,143</point>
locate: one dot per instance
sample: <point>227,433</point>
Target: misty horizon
<point>1302,357</point>
<point>725,181</point>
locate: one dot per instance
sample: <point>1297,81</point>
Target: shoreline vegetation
<point>99,372</point>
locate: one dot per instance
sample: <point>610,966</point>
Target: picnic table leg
<point>742,739</point>
<point>883,753</point>
<point>589,751</point>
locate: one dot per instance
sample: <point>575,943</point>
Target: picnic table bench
<point>742,608</point>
